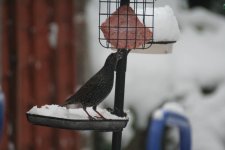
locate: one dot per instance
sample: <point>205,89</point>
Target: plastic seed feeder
<point>173,119</point>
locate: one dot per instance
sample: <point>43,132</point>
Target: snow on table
<point>74,114</point>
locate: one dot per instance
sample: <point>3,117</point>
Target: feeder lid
<point>165,33</point>
<point>166,27</point>
<point>74,119</point>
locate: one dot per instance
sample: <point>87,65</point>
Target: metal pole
<point>13,63</point>
<point>119,97</point>
<point>119,91</point>
<point>1,3</point>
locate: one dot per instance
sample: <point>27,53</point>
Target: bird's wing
<point>90,85</point>
<point>85,91</point>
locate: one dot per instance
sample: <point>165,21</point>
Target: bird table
<point>144,31</point>
<point>115,122</point>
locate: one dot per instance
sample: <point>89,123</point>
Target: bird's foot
<point>99,115</point>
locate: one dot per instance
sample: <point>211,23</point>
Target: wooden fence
<point>37,70</point>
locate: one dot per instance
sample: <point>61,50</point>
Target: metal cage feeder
<point>136,13</point>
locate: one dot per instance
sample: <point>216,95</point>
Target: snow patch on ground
<point>206,115</point>
<point>171,107</point>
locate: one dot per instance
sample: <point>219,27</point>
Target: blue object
<point>1,111</point>
<point>171,119</point>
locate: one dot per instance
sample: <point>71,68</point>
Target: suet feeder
<point>138,26</point>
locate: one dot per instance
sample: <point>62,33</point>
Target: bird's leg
<point>95,109</point>
<point>89,116</point>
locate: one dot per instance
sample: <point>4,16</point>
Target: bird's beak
<point>119,56</point>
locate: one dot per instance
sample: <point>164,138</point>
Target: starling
<point>98,87</point>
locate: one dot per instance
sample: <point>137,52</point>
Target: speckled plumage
<point>98,87</point>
